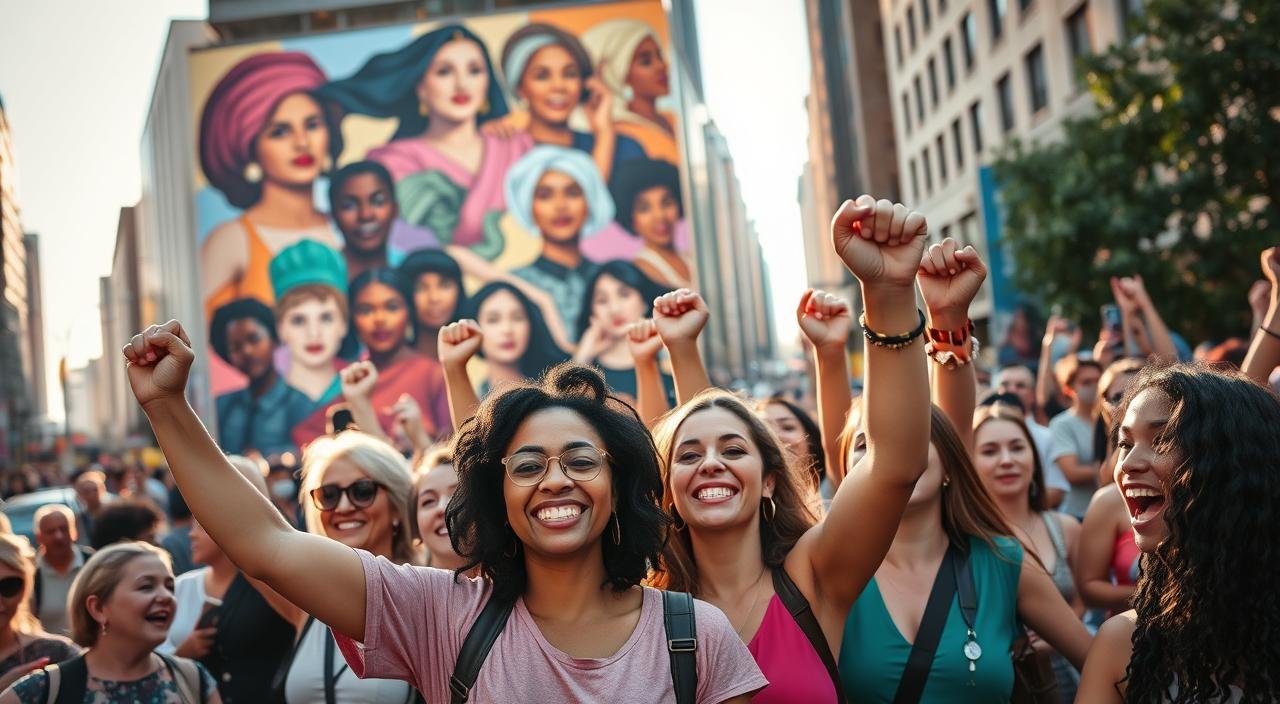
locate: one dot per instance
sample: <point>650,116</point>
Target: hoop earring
<point>423,110</point>
<point>252,172</point>
<point>768,509</point>
<point>617,530</point>
<point>678,522</point>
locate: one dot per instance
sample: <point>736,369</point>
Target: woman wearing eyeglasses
<point>562,538</point>
<point>24,645</point>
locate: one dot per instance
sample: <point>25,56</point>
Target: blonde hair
<point>373,457</point>
<point>16,553</point>
<point>99,577</point>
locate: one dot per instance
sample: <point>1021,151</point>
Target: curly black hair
<point>477,515</point>
<point>639,176</point>
<point>239,309</point>
<point>1208,615</point>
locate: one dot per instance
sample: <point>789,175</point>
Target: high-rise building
<point>968,76</point>
<point>16,379</point>
<point>120,307</point>
<point>35,329</point>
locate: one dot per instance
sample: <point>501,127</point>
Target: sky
<point>76,76</point>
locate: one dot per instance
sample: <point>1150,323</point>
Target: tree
<point>1174,176</point>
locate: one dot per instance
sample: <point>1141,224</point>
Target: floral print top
<point>158,687</point>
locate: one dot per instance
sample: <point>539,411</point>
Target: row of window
<point>996,11</point>
<point>1079,43</point>
<point>944,162</point>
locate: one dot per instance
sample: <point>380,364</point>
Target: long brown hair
<point>793,514</point>
<point>967,508</point>
<point>1003,411</point>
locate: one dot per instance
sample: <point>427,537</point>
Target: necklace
<point>754,602</point>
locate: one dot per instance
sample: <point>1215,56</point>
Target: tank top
<point>1062,577</point>
<point>788,661</point>
<point>1124,559</point>
<point>305,683</point>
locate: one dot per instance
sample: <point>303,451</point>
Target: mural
<point>359,190</point>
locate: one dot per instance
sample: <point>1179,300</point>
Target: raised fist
<point>358,380</point>
<point>643,340</point>
<point>824,319</point>
<point>950,278</point>
<point>680,316</point>
<point>880,242</point>
<point>159,359</point>
<point>1271,266</point>
<point>458,342</point>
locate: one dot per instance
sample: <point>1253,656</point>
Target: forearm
<point>896,386</point>
<point>834,401</point>
<point>1103,594</point>
<point>1161,339</point>
<point>366,419</point>
<point>955,391</point>
<point>1264,351</point>
<point>651,397</point>
<point>687,368</point>
<point>1044,377</point>
<point>463,401</point>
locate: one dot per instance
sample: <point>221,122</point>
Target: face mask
<point>1087,394</point>
<point>283,489</point>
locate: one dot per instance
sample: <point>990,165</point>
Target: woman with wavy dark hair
<point>557,506</point>
<point>1196,465</point>
<point>799,434</point>
<point>617,296</point>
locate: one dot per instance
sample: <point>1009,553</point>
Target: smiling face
<point>647,75</point>
<point>364,211</point>
<point>717,473</point>
<point>435,297</point>
<point>250,348</point>
<point>381,318</point>
<point>434,490</point>
<point>366,528</point>
<point>654,217</point>
<point>456,82</point>
<point>559,207</point>
<point>312,330</point>
<point>551,84</point>
<point>558,516</point>
<point>294,145</point>
<point>1004,458</point>
<point>506,328</point>
<point>140,609</point>
<point>616,304</point>
<point>788,429</point>
<point>1144,465</point>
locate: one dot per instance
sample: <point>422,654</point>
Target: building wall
<point>15,348</point>
<point>121,314</point>
<point>35,329</point>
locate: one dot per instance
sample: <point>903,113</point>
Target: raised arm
<point>1042,607</point>
<point>881,243</point>
<point>950,278</point>
<point>238,518</point>
<point>1046,383</point>
<point>645,344</point>
<point>680,317</point>
<point>1162,347</point>
<point>358,380</point>
<point>457,344</point>
<point>1264,352</point>
<point>825,320</point>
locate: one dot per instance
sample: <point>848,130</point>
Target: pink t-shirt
<point>417,617</point>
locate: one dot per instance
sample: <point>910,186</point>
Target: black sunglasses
<point>11,587</point>
<point>360,493</point>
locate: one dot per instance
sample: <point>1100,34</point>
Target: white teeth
<point>348,525</point>
<point>442,530</point>
<point>558,513</point>
<point>715,492</point>
<point>1134,493</point>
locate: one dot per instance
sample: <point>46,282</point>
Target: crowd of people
<point>1095,527</point>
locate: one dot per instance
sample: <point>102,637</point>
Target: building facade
<point>35,330</point>
<point>121,311</point>
<point>17,365</point>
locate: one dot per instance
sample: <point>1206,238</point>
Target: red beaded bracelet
<point>953,338</point>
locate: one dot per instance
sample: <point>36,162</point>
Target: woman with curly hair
<point>1196,465</point>
<point>557,506</point>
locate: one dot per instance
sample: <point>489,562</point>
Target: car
<point>21,509</point>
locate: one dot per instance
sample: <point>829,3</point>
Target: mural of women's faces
<point>364,208</point>
<point>455,86</point>
<point>616,305</point>
<point>647,75</point>
<point>654,215</point>
<point>380,315</point>
<point>506,328</point>
<point>312,323</point>
<point>551,84</point>
<point>559,207</point>
<point>251,348</point>
<point>293,147</point>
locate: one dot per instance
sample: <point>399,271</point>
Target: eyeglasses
<point>360,493</point>
<point>580,464</point>
<point>11,587</point>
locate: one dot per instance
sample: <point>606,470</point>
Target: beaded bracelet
<point>893,342</point>
<point>1272,333</point>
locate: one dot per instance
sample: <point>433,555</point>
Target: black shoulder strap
<point>920,662</point>
<point>682,643</point>
<point>802,613</point>
<point>74,681</point>
<point>286,663</point>
<point>37,591</point>
<point>475,648</point>
<point>966,592</point>
<point>330,681</point>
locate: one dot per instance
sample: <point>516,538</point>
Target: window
<point>911,28</point>
<point>1037,86</point>
<point>942,159</point>
<point>975,123</point>
<point>948,64</point>
<point>897,43</point>
<point>928,172</point>
<point>968,38</point>
<point>957,143</point>
<point>906,112</point>
<point>1004,94</point>
<point>915,181</point>
<point>997,10</point>
<point>1079,39</point>
<point>924,15</point>
<point>919,100</point>
<point>968,228</point>
<point>933,83</point>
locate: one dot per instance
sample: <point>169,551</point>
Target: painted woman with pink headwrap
<point>632,66</point>
<point>264,140</point>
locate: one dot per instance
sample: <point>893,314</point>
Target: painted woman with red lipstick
<point>1196,465</point>
<point>632,66</point>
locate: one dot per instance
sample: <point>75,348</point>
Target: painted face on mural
<point>456,82</point>
<point>551,84</point>
<point>364,211</point>
<point>312,330</point>
<point>506,328</point>
<point>654,217</point>
<point>381,318</point>
<point>250,348</point>
<point>436,299</point>
<point>616,304</point>
<point>293,147</point>
<point>559,207</point>
<point>648,73</point>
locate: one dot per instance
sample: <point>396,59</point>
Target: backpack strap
<point>475,648</point>
<point>682,642</point>
<point>286,663</point>
<point>37,592</point>
<point>187,676</point>
<point>330,679</point>
<point>920,661</point>
<point>802,613</point>
<point>68,686</point>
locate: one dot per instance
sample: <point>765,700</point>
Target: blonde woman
<point>120,608</point>
<point>24,645</point>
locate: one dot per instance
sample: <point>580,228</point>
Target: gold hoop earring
<point>617,530</point>
<point>677,522</point>
<point>423,110</point>
<point>252,172</point>
<point>768,509</point>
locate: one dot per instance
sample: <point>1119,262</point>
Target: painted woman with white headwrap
<point>559,194</point>
<point>632,65</point>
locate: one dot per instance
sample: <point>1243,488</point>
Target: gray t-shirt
<point>53,590</point>
<point>1073,435</point>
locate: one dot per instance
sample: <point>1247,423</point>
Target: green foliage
<point>1174,176</point>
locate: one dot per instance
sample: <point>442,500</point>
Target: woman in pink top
<point>557,506</point>
<point>744,511</point>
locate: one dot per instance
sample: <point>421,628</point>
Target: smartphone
<point>340,419</point>
<point>209,611</point>
<point>1111,317</point>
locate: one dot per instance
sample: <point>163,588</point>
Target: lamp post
<point>67,455</point>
